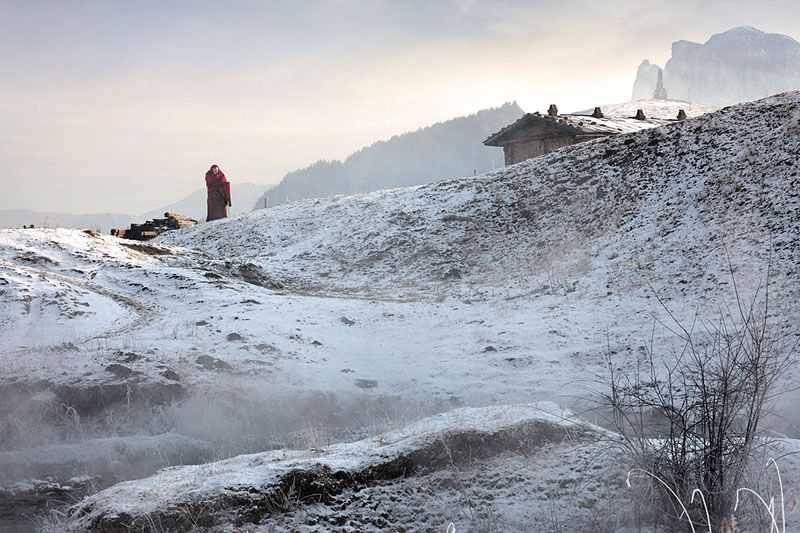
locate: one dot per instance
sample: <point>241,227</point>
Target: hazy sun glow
<point>111,107</point>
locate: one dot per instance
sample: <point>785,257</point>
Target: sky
<point>112,106</point>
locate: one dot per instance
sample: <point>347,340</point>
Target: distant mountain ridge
<point>448,149</point>
<point>739,65</point>
<point>194,206</point>
<point>243,196</point>
<point>102,222</point>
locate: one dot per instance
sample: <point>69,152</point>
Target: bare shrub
<point>693,419</point>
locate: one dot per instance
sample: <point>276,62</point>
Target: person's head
<point>215,169</point>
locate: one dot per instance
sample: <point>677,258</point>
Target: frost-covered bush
<point>694,419</point>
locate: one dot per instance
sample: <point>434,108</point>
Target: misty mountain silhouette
<point>739,65</point>
<point>444,150</point>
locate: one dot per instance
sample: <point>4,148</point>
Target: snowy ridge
<point>181,496</point>
<point>658,200</point>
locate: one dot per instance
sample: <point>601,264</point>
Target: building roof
<point>582,125</point>
<point>652,108</point>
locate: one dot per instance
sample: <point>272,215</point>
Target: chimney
<point>640,115</point>
<point>681,114</point>
<point>552,110</point>
<point>597,113</point>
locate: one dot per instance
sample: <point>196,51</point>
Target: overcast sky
<point>121,106</point>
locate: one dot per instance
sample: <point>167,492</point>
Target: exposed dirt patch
<point>34,258</point>
<point>121,371</point>
<point>267,348</point>
<point>366,383</point>
<point>212,363</point>
<point>148,249</point>
<point>254,275</point>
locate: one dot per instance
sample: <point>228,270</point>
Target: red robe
<point>219,195</point>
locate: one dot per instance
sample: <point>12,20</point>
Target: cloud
<point>104,93</point>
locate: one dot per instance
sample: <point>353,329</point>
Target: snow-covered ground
<point>181,497</point>
<point>334,320</point>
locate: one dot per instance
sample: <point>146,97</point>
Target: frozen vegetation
<point>397,360</point>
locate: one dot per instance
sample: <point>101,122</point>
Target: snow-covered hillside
<point>336,319</point>
<point>658,207</point>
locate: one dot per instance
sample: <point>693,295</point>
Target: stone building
<point>535,134</point>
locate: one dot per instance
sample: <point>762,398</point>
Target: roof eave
<point>499,138</point>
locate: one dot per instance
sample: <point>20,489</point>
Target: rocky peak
<point>646,81</point>
<point>738,65</point>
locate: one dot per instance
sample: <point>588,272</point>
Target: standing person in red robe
<point>219,194</point>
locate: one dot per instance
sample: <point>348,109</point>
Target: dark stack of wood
<point>151,228</point>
